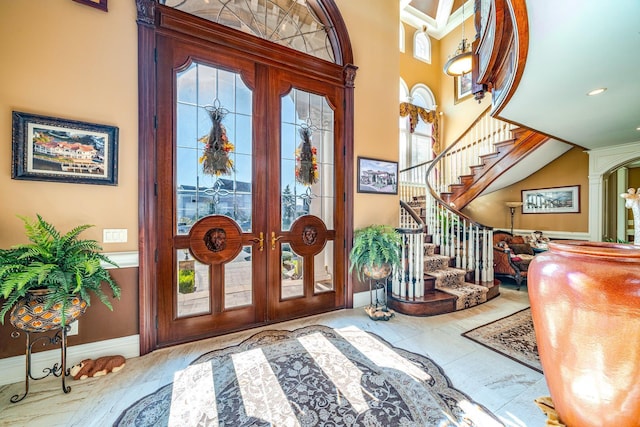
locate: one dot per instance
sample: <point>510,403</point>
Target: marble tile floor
<point>504,386</point>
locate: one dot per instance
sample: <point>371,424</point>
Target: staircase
<point>436,278</point>
<point>491,166</point>
<point>449,257</point>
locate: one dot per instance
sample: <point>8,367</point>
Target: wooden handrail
<point>412,213</point>
<point>502,48</point>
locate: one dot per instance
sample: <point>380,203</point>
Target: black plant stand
<point>379,310</point>
<point>60,338</point>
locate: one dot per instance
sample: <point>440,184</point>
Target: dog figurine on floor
<point>98,367</point>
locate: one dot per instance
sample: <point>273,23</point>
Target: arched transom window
<point>291,23</point>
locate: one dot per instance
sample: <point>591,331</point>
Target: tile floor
<point>505,387</point>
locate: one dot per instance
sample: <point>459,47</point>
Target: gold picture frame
<point>462,87</point>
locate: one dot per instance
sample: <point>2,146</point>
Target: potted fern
<point>376,250</point>
<point>47,283</point>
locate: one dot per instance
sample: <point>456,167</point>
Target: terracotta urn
<point>585,304</point>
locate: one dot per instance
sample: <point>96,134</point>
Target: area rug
<point>313,376</point>
<point>512,336</point>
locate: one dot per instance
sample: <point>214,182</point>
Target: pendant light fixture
<point>460,62</point>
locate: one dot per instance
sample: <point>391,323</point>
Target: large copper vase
<point>585,303</point>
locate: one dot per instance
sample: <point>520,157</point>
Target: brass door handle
<point>274,239</point>
<point>260,241</point>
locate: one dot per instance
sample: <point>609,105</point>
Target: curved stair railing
<point>408,279</point>
<point>467,151</point>
<point>458,236</point>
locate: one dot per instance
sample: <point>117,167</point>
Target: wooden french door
<point>255,238</point>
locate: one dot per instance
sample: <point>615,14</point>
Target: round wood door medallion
<point>215,239</point>
<point>308,235</point>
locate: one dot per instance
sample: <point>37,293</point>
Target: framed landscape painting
<point>551,200</point>
<point>52,149</point>
<point>377,176</point>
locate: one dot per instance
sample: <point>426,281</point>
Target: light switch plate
<point>114,235</point>
<point>74,328</point>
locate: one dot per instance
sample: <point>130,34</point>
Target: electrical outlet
<point>74,328</point>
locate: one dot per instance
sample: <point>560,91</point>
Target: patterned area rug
<point>313,376</point>
<point>512,336</point>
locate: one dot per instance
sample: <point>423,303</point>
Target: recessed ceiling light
<point>638,128</point>
<point>597,91</point>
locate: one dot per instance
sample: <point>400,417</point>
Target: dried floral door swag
<point>306,160</point>
<point>215,159</point>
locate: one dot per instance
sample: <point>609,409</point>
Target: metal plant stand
<point>60,338</point>
<point>379,310</point>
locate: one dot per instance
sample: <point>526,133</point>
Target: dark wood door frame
<point>152,19</point>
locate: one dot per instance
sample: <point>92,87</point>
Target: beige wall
<point>84,67</point>
<point>373,29</point>
<point>572,168</point>
<point>67,60</point>
<point>414,71</point>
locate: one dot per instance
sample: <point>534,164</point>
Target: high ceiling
<point>574,47</point>
<point>439,16</point>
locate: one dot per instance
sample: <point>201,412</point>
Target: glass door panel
<point>211,100</point>
<point>307,160</point>
<point>323,270</point>
<point>193,290</point>
<point>292,273</point>
<point>238,283</point>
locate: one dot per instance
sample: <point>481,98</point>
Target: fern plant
<point>374,246</point>
<point>64,264</point>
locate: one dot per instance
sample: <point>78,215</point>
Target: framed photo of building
<point>377,176</point>
<point>551,200</point>
<point>462,89</point>
<point>52,149</point>
<point>98,4</point>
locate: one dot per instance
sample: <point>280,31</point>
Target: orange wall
<point>572,168</point>
<point>68,60</point>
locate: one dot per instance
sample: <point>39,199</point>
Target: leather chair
<point>503,263</point>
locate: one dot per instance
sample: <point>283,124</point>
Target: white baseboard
<point>123,259</point>
<point>13,368</point>
<point>362,299</point>
<point>558,235</point>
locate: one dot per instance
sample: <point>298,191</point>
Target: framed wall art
<point>551,200</point>
<point>99,4</point>
<point>53,149</point>
<point>377,176</point>
<point>462,89</point>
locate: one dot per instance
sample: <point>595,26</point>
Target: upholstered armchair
<point>511,256</point>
